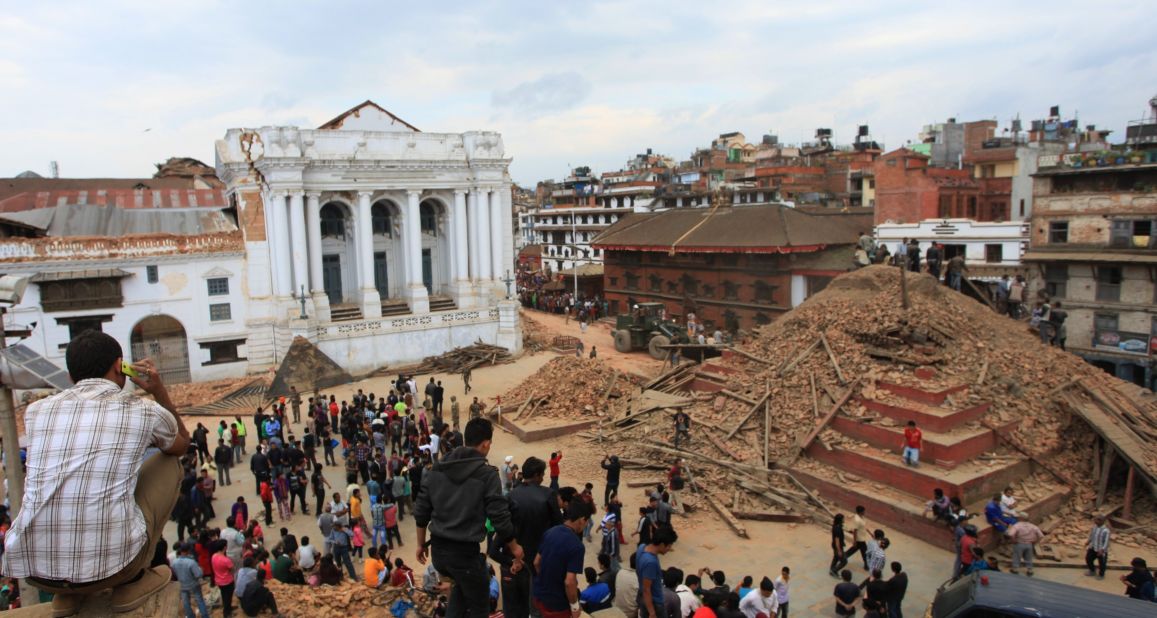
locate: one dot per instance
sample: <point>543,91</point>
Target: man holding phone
<point>103,477</point>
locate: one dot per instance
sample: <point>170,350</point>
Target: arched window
<point>429,218</point>
<point>332,221</point>
<point>380,217</point>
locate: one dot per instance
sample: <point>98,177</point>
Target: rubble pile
<point>193,394</point>
<point>346,599</point>
<point>817,360</point>
<point>535,336</point>
<point>454,361</point>
<point>568,387</point>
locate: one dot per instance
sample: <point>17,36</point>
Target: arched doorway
<point>387,238</point>
<point>434,225</point>
<point>162,339</point>
<point>338,259</point>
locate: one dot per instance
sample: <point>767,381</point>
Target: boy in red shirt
<point>554,459</point>
<point>913,440</point>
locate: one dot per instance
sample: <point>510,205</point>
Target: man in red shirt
<point>913,440</point>
<point>554,459</point>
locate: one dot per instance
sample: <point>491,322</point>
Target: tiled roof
<point>127,198</point>
<point>764,228</point>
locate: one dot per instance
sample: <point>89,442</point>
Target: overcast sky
<point>108,88</point>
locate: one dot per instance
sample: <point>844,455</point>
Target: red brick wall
<point>903,194</point>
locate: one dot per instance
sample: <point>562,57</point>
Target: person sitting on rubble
<point>1008,502</point>
<point>940,507</point>
<point>995,514</point>
<point>70,539</point>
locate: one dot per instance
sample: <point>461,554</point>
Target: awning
<point>1106,257</point>
<point>73,275</point>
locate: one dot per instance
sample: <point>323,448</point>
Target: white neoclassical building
<point>394,243</point>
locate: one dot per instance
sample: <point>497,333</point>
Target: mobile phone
<point>128,370</point>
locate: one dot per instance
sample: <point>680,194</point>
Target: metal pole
<point>574,253</point>
<point>13,471</point>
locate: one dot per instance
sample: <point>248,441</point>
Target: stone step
<point>442,303</point>
<point>345,313</point>
<point>928,417</point>
<point>893,510</point>
<point>970,480</point>
<point>395,308</point>
<point>947,450</point>
<point>920,394</point>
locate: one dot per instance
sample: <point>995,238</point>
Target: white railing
<point>345,330</point>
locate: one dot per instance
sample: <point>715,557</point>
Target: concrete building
<point>379,243</point>
<point>1093,248</point>
<point>735,267</point>
<point>399,240</point>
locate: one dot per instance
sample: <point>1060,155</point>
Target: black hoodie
<point>457,497</point>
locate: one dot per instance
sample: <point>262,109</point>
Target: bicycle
<point>425,603</point>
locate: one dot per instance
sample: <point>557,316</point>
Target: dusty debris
<point>569,387</point>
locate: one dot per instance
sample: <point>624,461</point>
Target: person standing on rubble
<point>934,256</point>
<point>914,255</point>
<point>458,496</point>
<point>682,426</point>
<point>956,270</point>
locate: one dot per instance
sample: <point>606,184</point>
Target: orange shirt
<point>373,567</point>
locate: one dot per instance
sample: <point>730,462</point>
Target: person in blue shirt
<point>995,513</point>
<point>597,594</point>
<point>189,573</point>
<point>558,563</point>
<point>494,588</point>
<point>650,572</point>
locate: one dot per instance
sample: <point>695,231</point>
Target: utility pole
<point>904,281</point>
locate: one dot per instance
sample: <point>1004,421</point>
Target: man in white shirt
<point>306,555</point>
<point>762,600</point>
<point>688,601</point>
<point>341,512</point>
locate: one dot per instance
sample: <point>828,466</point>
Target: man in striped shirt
<point>103,477</point>
<point>1098,547</point>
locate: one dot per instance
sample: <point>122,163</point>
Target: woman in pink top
<point>223,576</point>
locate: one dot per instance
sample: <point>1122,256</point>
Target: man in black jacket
<point>259,465</point>
<point>223,456</point>
<point>612,466</point>
<point>534,510</point>
<point>897,588</point>
<point>458,495</point>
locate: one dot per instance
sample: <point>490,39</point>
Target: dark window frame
<point>217,286</point>
<point>1056,278</point>
<point>1109,280</point>
<point>220,312</point>
<point>993,253</point>
<point>1058,232</point>
<point>222,352</point>
<point>81,294</point>
<point>152,275</point>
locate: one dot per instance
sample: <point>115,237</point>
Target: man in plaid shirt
<point>103,477</point>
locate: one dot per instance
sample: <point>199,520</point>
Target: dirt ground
<point>704,541</point>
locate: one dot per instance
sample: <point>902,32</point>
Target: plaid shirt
<point>80,521</point>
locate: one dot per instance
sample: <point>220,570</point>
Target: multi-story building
<point>379,243</point>
<point>575,214</point>
<point>735,267</point>
<point>1094,250</point>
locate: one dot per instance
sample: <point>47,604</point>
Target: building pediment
<point>216,273</point>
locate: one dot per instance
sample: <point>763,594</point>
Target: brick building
<point>735,267</point>
<point>1093,249</point>
<point>908,190</point>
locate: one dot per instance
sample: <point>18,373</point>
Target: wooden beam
<point>1130,483</point>
<point>807,352</point>
<point>751,356</point>
<point>1103,482</point>
<point>721,446</point>
<point>651,483</point>
<point>790,518</point>
<point>815,396</point>
<point>832,357</point>
<point>736,396</point>
<point>807,440</point>
<point>750,413</point>
<point>814,498</point>
<point>767,427</point>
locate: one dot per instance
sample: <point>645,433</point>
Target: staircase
<point>857,461</point>
<point>392,307</point>
<point>345,313</point>
<point>442,303</point>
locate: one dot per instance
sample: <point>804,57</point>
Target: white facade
<point>981,241</point>
<point>399,239</point>
<point>566,233</point>
<point>369,219</point>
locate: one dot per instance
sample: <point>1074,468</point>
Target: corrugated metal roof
<point>183,197</point>
<point>73,275</point>
<point>88,220</point>
<point>759,228</point>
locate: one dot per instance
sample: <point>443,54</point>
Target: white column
<point>297,247</point>
<point>484,273</point>
<point>419,297</point>
<point>473,234</point>
<point>371,302</point>
<point>313,238</point>
<point>497,238</point>
<point>458,221</point>
<point>279,242</point>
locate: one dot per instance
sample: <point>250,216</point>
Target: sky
<point>110,87</point>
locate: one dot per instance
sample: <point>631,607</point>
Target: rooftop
<point>762,228</point>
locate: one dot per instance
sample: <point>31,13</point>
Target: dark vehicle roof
<point>1026,596</point>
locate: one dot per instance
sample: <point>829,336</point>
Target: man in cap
<point>506,473</point>
<point>760,601</point>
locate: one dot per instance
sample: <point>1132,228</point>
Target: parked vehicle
<point>993,594</point>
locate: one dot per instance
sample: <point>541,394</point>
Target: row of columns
<point>476,222</point>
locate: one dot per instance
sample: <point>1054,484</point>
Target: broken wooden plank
<point>750,413</point>
<point>723,512</point>
<point>787,518</point>
<point>722,447</point>
<point>807,440</point>
<point>767,427</point>
<point>983,373</point>
<point>807,352</point>
<point>751,356</point>
<point>832,357</point>
<point>736,396</point>
<point>650,483</point>
<point>610,385</point>
<point>815,396</point>
<point>814,498</point>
